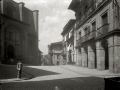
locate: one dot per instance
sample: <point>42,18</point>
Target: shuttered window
<point>104,19</point>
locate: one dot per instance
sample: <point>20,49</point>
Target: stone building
<point>68,42</point>
<point>97,34</point>
<point>18,32</point>
<point>55,52</point>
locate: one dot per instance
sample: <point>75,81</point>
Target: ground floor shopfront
<point>101,53</point>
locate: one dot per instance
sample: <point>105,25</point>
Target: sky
<point>53,16</point>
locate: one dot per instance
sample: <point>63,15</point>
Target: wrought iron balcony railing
<point>78,42</point>
<point>103,30</point>
<point>89,11</point>
<point>88,36</point>
<point>94,34</point>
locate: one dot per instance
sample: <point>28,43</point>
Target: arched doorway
<point>105,46</point>
<point>86,52</point>
<point>10,51</point>
<point>93,46</point>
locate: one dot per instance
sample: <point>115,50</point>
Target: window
<point>79,35</point>
<point>104,19</point>
<point>93,26</point>
<point>65,38</point>
<point>69,34</point>
<point>80,15</point>
<point>86,8</point>
<point>87,30</point>
<point>18,36</point>
<point>10,35</point>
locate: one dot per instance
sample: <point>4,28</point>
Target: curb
<point>103,76</point>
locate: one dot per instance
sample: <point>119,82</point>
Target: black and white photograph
<point>59,44</point>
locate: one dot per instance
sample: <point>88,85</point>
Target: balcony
<point>64,44</point>
<point>78,43</point>
<point>89,11</point>
<point>103,30</point>
<point>57,51</point>
<point>92,34</point>
<point>89,36</point>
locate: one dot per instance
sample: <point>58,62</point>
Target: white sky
<point>53,16</point>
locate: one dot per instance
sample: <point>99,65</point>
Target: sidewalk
<point>8,73</point>
<point>87,71</point>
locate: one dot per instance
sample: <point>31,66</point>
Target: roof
<point>70,23</point>
<point>55,44</point>
<point>74,4</point>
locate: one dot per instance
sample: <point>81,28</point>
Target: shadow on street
<point>81,83</point>
<point>9,72</point>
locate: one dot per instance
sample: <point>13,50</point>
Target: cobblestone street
<point>56,78</point>
<point>82,83</point>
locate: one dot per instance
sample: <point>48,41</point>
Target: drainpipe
<point>113,54</point>
<point>113,33</point>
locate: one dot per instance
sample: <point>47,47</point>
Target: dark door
<point>10,51</point>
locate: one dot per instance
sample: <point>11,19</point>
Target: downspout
<point>76,44</point>
<point>113,54</point>
<point>113,33</point>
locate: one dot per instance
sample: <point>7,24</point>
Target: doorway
<point>10,51</point>
<point>105,46</point>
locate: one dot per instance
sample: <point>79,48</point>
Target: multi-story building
<point>68,42</point>
<point>18,32</point>
<point>55,52</point>
<point>97,33</point>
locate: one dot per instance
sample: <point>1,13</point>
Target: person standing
<point>19,69</point>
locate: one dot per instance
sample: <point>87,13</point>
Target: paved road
<point>54,78</point>
<point>81,83</point>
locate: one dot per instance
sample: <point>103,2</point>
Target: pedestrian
<point>19,69</point>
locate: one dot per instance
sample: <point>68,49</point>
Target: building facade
<point>18,32</point>
<point>68,42</point>
<point>97,34</point>
<point>55,51</point>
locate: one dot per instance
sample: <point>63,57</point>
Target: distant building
<point>40,57</point>
<point>97,34</point>
<point>46,60</point>
<point>55,52</point>
<point>18,33</point>
<point>68,42</point>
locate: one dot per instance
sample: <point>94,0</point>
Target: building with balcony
<point>97,33</point>
<point>68,42</point>
<point>18,33</point>
<point>55,52</point>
